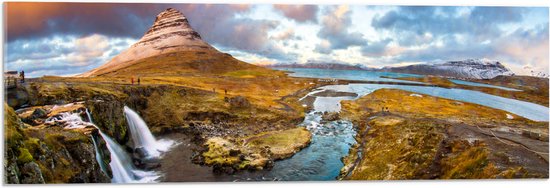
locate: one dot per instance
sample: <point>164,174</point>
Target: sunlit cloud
<point>71,38</point>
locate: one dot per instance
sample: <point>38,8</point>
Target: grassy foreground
<point>403,135</point>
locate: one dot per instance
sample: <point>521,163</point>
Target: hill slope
<point>170,46</point>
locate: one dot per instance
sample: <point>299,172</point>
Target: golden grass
<point>405,143</point>
<point>403,103</point>
<point>398,149</point>
<point>534,90</point>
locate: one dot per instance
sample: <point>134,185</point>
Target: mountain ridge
<point>469,68</point>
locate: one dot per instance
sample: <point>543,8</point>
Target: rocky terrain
<point>200,113</point>
<point>38,151</point>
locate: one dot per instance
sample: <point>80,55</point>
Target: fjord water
<point>349,74</point>
<point>525,109</point>
<point>142,136</point>
<point>521,108</point>
<point>462,82</point>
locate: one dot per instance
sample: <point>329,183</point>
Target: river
<point>331,140</point>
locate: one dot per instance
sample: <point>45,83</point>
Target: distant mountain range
<point>319,65</point>
<point>469,68</point>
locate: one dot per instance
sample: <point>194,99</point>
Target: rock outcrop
<point>36,155</point>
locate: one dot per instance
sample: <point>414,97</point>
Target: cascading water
<point>142,136</point>
<point>98,156</point>
<point>122,167</point>
<point>121,164</point>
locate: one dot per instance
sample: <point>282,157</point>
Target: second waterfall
<point>142,136</point>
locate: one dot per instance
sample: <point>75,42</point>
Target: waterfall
<point>98,156</point>
<point>89,116</point>
<point>122,167</point>
<point>121,164</point>
<point>142,136</point>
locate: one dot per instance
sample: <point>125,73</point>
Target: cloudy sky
<point>71,38</point>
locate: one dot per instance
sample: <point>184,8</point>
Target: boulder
<point>238,102</point>
<point>31,174</point>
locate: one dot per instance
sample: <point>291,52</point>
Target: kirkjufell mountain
<point>170,46</point>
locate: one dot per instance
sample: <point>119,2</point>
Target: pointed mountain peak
<point>169,23</point>
<point>170,45</point>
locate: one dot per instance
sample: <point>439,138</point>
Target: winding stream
<point>332,140</point>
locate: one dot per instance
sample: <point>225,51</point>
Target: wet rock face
<point>17,97</point>
<point>31,173</point>
<point>108,116</point>
<point>48,154</point>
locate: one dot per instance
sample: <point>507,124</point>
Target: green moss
<point>12,124</point>
<point>33,144</point>
<point>53,139</point>
<point>219,152</point>
<point>24,156</point>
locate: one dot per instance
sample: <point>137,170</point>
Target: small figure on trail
<point>214,90</point>
<point>132,80</point>
<point>225,91</point>
<point>139,81</point>
<point>22,75</point>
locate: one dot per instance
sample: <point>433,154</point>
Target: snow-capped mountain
<point>470,68</point>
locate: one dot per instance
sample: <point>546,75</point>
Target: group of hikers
<point>214,90</point>
<point>138,81</point>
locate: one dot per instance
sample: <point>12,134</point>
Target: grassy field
<point>428,137</point>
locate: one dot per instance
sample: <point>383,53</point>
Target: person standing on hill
<point>139,81</point>
<point>22,75</point>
